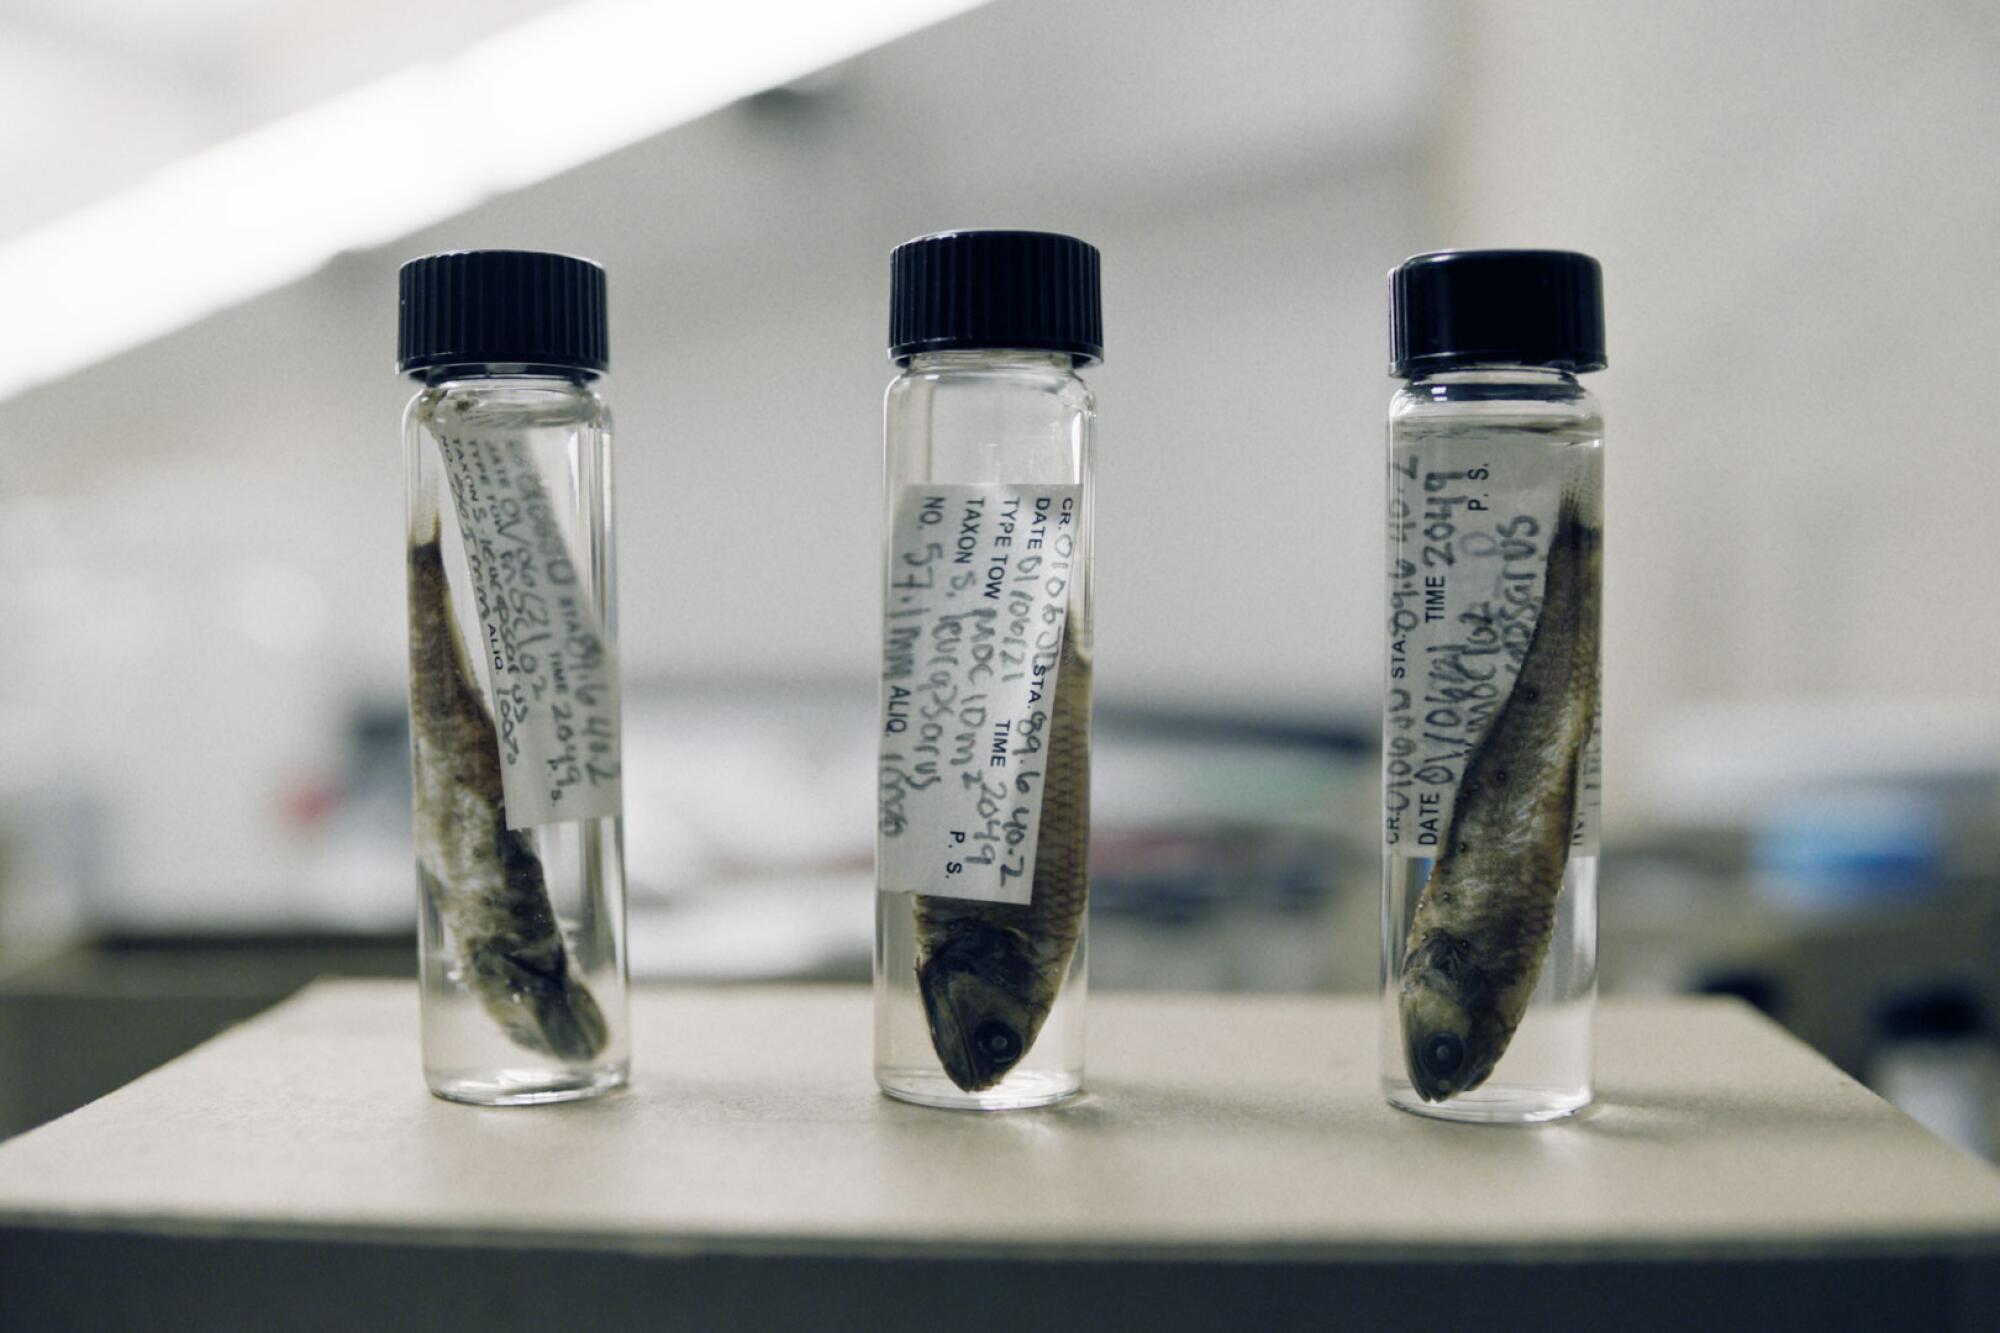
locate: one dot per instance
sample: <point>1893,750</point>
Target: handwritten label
<point>1470,518</point>
<point>554,676</point>
<point>972,635</point>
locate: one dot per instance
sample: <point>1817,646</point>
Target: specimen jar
<point>1491,715</point>
<point>514,705</point>
<point>983,830</point>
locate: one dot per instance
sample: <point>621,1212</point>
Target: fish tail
<point>1575,533</point>
<point>566,1014</point>
<point>1576,553</point>
<point>1572,588</point>
<point>571,1023</point>
<point>529,987</point>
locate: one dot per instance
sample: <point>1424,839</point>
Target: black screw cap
<point>523,307</point>
<point>1456,309</point>
<point>1026,290</point>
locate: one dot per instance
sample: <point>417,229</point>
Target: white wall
<point>1249,177</point>
<point>1797,206</point>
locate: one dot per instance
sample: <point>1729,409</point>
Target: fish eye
<point>1443,1053</point>
<point>1000,1044</point>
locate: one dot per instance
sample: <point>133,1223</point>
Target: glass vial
<point>1491,709</point>
<point>983,838</point>
<point>514,709</point>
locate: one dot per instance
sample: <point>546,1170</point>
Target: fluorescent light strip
<point>402,153</point>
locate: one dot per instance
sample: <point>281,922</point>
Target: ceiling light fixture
<point>401,153</point>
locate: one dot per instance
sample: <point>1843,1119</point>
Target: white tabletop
<point>1214,1129</point>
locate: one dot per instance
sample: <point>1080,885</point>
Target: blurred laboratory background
<point>203,770</point>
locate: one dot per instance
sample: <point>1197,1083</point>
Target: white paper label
<point>554,677</point>
<point>972,636</point>
<point>1470,518</point>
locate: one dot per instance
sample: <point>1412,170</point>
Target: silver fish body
<point>1483,924</point>
<point>484,878</point>
<point>989,972</point>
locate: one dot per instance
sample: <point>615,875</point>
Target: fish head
<point>1448,1047</point>
<point>976,990</point>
